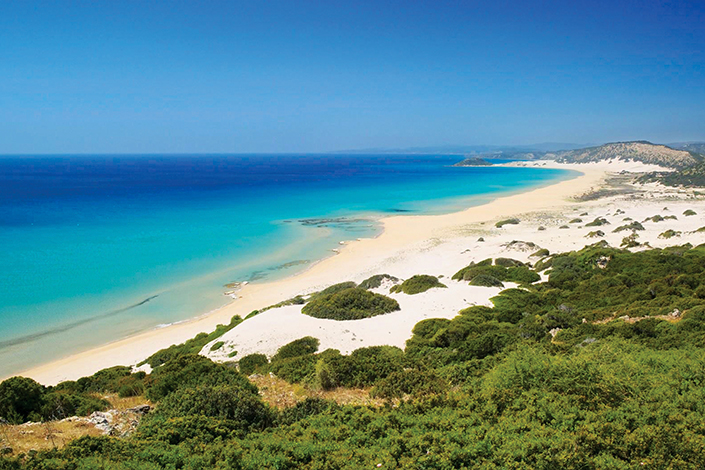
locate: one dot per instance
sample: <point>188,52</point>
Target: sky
<point>315,76</point>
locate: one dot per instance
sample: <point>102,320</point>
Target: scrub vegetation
<point>600,366</point>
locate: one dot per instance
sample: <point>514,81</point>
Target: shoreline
<point>400,236</point>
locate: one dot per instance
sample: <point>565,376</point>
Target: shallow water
<point>95,248</point>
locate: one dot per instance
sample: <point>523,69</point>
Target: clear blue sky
<point>270,76</point>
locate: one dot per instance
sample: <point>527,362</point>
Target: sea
<point>94,248</point>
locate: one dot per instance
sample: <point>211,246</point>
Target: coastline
<point>402,236</point>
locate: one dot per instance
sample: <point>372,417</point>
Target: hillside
<point>598,366</point>
<point>641,151</point>
<point>697,147</point>
<point>690,177</point>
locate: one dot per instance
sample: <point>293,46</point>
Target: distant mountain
<point>697,147</point>
<point>486,151</point>
<point>640,151</point>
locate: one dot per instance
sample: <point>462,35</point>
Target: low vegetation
<point>376,281</point>
<point>600,366</point>
<point>598,222</point>
<point>632,226</point>
<point>670,233</point>
<point>689,212</point>
<point>502,223</point>
<point>192,346</point>
<point>351,303</point>
<point>418,284</point>
<point>595,234</point>
<point>520,274</point>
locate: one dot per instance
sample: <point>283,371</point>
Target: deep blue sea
<point>95,248</point>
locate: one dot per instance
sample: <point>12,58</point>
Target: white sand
<point>437,245</point>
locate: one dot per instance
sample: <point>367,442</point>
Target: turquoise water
<point>97,248</point>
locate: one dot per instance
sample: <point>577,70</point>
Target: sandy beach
<point>433,244</point>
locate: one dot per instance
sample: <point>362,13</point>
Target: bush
<point>221,401</point>
<point>304,409</point>
<point>334,289</point>
<point>350,304</point>
<point>509,262</point>
<point>502,223</point>
<point>417,284</point>
<point>21,399</point>
<point>412,382</point>
<point>192,346</point>
<point>598,222</point>
<point>300,347</point>
<point>542,253</point>
<point>689,212</point>
<point>376,281</point>
<point>217,345</point>
<point>485,280</point>
<point>295,369</point>
<point>188,371</point>
<point>633,226</point>
<point>251,363</point>
<point>575,221</point>
<point>669,234</point>
<point>595,234</point>
<point>518,274</point>
<point>426,329</point>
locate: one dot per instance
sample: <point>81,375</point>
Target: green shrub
<point>306,408</point>
<point>21,399</point>
<point>633,226</point>
<point>376,281</point>
<point>575,221</point>
<point>188,371</point>
<point>518,274</point>
<point>599,221</point>
<point>300,347</point>
<point>350,304</point>
<point>669,234</point>
<point>251,363</point>
<point>295,369</point>
<point>409,382</point>
<point>334,289</point>
<point>543,252</point>
<point>509,262</point>
<point>192,346</point>
<point>485,280</point>
<point>689,212</point>
<point>656,218</point>
<point>363,368</point>
<point>417,284</point>
<point>595,234</point>
<point>217,345</point>
<point>502,223</point>
<point>426,329</point>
